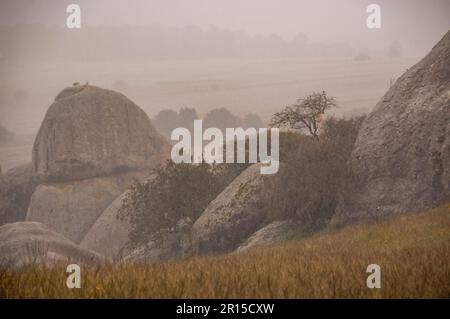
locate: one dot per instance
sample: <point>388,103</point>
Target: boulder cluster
<point>401,159</point>
<point>94,143</point>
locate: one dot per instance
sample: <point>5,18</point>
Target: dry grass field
<point>413,252</point>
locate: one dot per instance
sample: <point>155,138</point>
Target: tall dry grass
<point>413,252</point>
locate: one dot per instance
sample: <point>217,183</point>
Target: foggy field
<point>242,86</point>
<point>12,156</point>
<point>413,249</point>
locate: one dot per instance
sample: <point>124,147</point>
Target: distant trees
<point>221,118</point>
<point>160,43</point>
<point>167,120</point>
<point>306,114</point>
<point>186,117</point>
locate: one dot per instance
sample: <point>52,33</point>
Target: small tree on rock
<point>306,114</point>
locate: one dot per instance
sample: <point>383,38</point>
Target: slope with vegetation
<point>413,252</point>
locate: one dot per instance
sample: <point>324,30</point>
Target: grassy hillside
<point>413,252</point>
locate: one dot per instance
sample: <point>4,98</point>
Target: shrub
<point>318,169</point>
<point>315,175</point>
<point>176,191</point>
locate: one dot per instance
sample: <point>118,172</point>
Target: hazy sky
<point>417,24</point>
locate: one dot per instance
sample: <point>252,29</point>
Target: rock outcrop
<point>89,132</point>
<point>246,205</point>
<point>274,233</point>
<point>29,243</point>
<point>166,244</point>
<point>109,235</point>
<point>72,208</point>
<point>16,187</point>
<point>92,145</point>
<point>401,158</point>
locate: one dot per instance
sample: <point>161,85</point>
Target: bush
<point>315,175</point>
<point>176,191</point>
<point>318,169</point>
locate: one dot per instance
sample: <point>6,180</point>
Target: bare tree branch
<point>307,113</point>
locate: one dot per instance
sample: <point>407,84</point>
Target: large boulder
<point>401,158</point>
<point>250,202</point>
<point>72,208</point>
<point>274,233</point>
<point>16,187</point>
<point>28,243</point>
<point>109,234</point>
<point>167,244</point>
<point>92,145</point>
<point>89,131</point>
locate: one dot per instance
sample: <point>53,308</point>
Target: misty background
<point>252,56</point>
<point>417,23</point>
